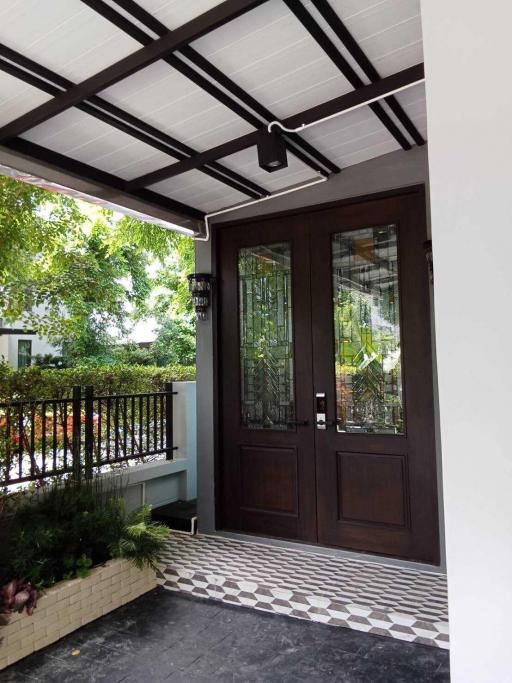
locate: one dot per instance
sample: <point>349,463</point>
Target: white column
<point>205,405</point>
<point>468,56</point>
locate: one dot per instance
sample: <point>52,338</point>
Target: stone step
<point>383,599</point>
<point>180,515</point>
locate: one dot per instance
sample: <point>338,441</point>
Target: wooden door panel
<point>267,453</point>
<point>372,489</point>
<point>385,497</point>
<point>260,468</point>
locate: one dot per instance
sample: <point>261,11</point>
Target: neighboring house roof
<point>15,330</point>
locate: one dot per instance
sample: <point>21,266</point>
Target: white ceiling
<point>266,51</point>
<point>63,35</point>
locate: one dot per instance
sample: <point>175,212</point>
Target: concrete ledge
<point>71,604</point>
<point>136,474</point>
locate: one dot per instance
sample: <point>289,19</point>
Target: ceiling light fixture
<point>271,150</point>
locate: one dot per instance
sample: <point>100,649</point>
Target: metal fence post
<point>169,433</point>
<point>76,432</point>
<point>89,431</point>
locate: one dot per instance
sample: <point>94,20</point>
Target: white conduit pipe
<point>289,190</point>
<point>323,178</point>
<point>344,111</point>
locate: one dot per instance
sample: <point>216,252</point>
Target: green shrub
<point>51,528</point>
<point>132,354</point>
<point>141,539</point>
<point>39,383</point>
<point>61,531</point>
<point>47,360</point>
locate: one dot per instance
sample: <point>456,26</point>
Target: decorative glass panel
<point>266,337</point>
<point>367,331</point>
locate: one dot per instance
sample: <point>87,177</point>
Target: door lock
<point>321,410</point>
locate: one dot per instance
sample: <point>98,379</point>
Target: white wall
<point>469,108</point>
<point>4,347</point>
<point>9,342</point>
<point>39,346</point>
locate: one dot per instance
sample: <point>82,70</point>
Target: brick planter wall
<point>69,605</point>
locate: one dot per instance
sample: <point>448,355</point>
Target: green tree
<point>94,273</point>
<point>170,302</point>
<point>175,343</point>
<point>32,229</point>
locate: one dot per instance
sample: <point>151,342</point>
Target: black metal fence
<point>40,439</point>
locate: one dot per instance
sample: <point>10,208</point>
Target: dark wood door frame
<point>416,190</point>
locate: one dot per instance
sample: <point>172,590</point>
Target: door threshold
<point>318,549</point>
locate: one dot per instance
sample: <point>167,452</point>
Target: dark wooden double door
<point>325,378</point>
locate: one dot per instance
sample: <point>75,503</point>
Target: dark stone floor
<point>168,637</point>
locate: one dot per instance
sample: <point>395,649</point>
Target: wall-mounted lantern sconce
<point>200,286</point>
<point>427,246</point>
<point>271,150</point>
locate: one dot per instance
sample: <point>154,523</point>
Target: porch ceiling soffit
<point>251,62</point>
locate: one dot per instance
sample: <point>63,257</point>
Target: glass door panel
<point>266,337</point>
<point>367,331</point>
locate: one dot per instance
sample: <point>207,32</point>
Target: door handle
<point>321,424</point>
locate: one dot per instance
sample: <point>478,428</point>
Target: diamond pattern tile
<point>407,604</point>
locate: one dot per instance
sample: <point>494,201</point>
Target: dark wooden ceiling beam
<point>134,31</point>
<point>316,161</point>
<point>43,85</point>
<point>95,175</point>
<point>359,55</point>
<point>37,82</point>
<point>302,149</point>
<point>219,152</point>
<point>27,77</point>
<point>192,30</point>
<point>118,118</point>
<point>357,97</point>
<point>330,49</point>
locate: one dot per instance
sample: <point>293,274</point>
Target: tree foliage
<point>175,343</point>
<point>32,231</point>
<point>82,275</point>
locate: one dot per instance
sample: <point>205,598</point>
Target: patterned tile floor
<point>381,599</point>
